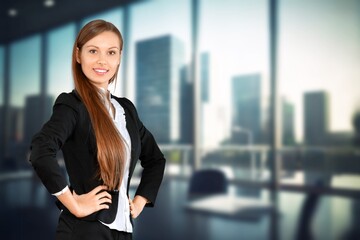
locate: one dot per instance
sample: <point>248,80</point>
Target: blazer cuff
<point>61,192</point>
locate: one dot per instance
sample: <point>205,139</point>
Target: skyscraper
<point>246,108</point>
<point>158,64</point>
<point>186,107</point>
<point>316,115</point>
<point>288,123</point>
<point>205,76</point>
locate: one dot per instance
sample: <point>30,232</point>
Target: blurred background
<point>256,105</point>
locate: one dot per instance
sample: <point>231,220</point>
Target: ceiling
<point>33,16</point>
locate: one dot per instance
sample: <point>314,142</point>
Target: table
<point>230,206</point>
<point>171,219</point>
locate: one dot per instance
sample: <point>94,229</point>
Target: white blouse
<point>122,220</point>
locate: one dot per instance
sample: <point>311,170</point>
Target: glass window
<point>60,44</point>
<point>24,55</point>
<point>25,113</point>
<point>234,68</point>
<point>319,85</point>
<point>157,55</point>
<point>152,20</point>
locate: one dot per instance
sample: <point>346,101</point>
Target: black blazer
<point>70,130</point>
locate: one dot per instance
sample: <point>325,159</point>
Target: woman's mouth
<point>100,71</point>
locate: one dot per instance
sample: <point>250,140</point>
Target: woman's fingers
<point>104,200</point>
<point>99,189</point>
<point>104,195</point>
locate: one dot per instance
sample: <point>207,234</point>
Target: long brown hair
<point>110,145</point>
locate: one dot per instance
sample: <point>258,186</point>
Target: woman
<point>101,138</point>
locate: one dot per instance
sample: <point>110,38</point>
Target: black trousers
<point>72,228</point>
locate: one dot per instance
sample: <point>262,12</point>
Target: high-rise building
<point>186,107</point>
<point>158,64</point>
<point>205,76</point>
<point>288,123</point>
<point>187,101</point>
<point>246,109</point>
<point>316,115</point>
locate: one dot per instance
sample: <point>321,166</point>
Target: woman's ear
<point>77,55</point>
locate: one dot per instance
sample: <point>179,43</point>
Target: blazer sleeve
<point>46,143</point>
<point>152,160</point>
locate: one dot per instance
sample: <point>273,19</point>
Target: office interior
<point>261,98</point>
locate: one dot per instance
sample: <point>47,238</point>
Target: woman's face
<point>100,58</point>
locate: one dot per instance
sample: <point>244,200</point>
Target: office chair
<point>207,182</point>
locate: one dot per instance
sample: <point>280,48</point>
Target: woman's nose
<point>101,60</point>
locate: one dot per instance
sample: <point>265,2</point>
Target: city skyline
<point>242,52</point>
<point>303,53</point>
<point>325,136</point>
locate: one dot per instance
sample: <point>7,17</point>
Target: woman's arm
<point>49,140</point>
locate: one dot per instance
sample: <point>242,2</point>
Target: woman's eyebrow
<point>93,46</point>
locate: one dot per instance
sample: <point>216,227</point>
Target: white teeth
<point>100,70</point>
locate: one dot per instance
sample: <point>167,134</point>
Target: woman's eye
<point>112,53</point>
<point>92,51</point>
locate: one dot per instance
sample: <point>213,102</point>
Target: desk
<point>169,219</point>
<point>229,206</point>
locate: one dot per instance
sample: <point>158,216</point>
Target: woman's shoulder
<point>70,99</point>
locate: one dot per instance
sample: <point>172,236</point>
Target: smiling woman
<point>100,58</point>
<point>101,137</point>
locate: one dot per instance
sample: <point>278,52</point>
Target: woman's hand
<point>137,205</point>
<point>88,203</point>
